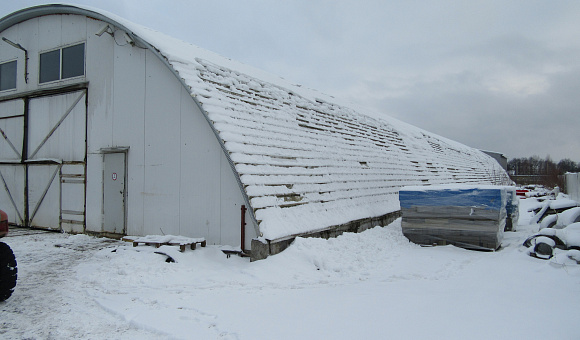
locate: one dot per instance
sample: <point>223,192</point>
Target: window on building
<point>8,75</point>
<point>50,66</point>
<point>73,61</point>
<point>63,63</point>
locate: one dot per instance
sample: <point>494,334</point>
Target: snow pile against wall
<point>304,161</point>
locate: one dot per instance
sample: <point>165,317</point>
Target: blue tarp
<point>493,198</point>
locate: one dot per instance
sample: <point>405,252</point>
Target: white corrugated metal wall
<point>178,179</point>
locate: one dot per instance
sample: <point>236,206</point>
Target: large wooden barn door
<point>12,171</point>
<point>56,153</point>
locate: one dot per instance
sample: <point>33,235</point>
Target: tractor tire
<point>8,271</point>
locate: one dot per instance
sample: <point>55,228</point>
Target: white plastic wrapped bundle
<point>467,216</point>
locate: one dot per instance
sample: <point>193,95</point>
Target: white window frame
<point>60,78</point>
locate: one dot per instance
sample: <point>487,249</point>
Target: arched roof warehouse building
<point>112,128</point>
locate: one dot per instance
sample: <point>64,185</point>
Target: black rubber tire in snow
<point>8,271</point>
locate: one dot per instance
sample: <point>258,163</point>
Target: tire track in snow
<point>45,304</point>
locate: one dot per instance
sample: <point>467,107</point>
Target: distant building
<point>111,128</point>
<point>500,158</point>
<point>572,185</point>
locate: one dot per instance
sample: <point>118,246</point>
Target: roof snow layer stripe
<point>304,161</point>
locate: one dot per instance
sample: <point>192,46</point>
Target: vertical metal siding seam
<point>60,199</point>
<point>144,143</point>
<point>180,162</point>
<point>24,158</point>
<point>86,156</point>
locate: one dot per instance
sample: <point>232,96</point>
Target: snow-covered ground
<point>373,285</point>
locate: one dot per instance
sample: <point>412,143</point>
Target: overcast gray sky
<point>495,75</point>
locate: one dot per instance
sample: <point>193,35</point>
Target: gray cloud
<point>494,75</point>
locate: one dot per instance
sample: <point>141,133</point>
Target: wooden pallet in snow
<point>166,240</point>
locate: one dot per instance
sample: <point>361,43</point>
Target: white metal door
<point>114,192</point>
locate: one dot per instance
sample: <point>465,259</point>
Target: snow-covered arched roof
<point>304,161</point>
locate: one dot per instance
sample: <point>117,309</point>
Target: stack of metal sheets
<point>467,216</point>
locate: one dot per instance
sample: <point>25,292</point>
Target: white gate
<point>43,195</point>
<point>57,133</point>
<point>12,171</point>
<point>12,192</point>
<point>42,160</point>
